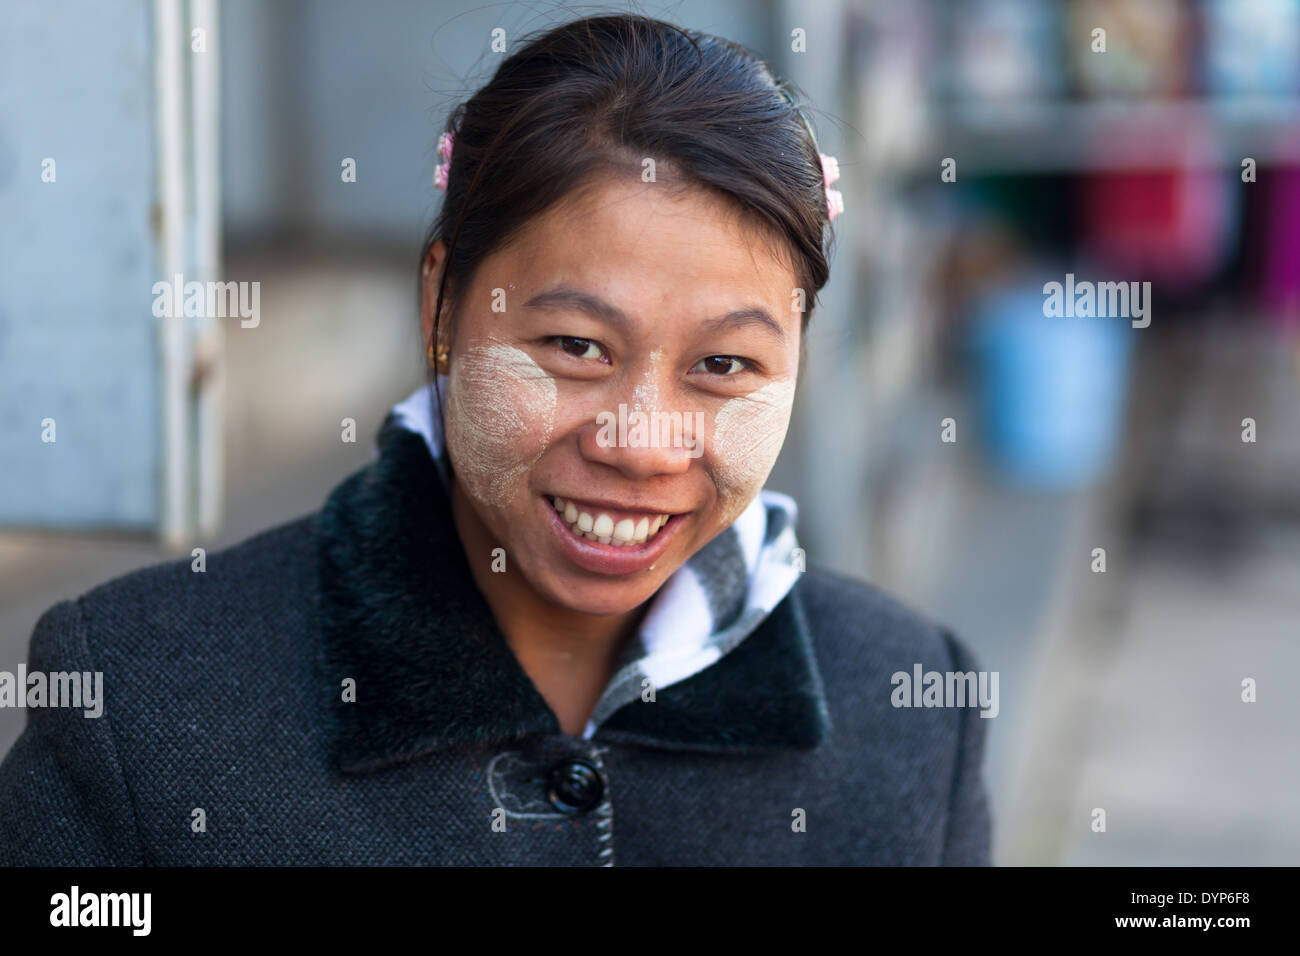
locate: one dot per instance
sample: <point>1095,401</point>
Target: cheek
<point>747,436</point>
<point>500,418</point>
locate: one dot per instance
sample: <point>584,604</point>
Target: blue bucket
<point>1052,390</point>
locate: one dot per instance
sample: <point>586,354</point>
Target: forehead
<point>651,245</point>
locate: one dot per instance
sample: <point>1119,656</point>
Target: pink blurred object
<point>445,144</point>
<point>1174,225</point>
<point>1281,250</point>
<point>834,198</point>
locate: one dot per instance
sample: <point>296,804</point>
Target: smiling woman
<point>518,613</point>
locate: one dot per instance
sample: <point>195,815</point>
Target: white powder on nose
<point>645,394</point>
<point>748,433</point>
<point>501,413</point>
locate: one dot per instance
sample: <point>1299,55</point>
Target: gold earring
<point>442,359</point>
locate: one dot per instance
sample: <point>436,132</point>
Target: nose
<point>642,442</point>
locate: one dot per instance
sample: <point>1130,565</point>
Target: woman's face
<point>632,354</point>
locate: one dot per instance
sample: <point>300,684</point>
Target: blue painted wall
<point>77,340</point>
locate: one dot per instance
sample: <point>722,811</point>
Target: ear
<point>430,275</point>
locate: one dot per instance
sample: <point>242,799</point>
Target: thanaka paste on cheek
<point>748,433</point>
<point>502,414</point>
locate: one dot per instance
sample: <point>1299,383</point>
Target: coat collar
<point>402,616</point>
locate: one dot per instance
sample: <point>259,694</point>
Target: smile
<point>621,529</point>
<point>633,541</point>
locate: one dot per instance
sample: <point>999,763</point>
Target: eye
<point>721,365</point>
<point>579,348</point>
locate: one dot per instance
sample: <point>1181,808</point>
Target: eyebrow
<point>567,297</point>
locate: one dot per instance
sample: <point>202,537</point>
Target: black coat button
<point>575,787</point>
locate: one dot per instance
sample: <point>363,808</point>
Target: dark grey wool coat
<point>222,693</point>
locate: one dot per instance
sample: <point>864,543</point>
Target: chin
<point>600,598</point>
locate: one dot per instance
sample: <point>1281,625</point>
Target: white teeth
<point>603,528</point>
<point>624,531</point>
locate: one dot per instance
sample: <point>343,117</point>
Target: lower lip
<point>608,558</point>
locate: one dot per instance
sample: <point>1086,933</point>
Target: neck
<point>569,656</point>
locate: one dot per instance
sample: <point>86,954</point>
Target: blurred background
<point>951,443</point>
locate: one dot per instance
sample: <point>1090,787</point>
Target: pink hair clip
<point>445,142</point>
<point>830,173</point>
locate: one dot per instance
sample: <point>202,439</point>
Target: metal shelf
<point>1066,136</point>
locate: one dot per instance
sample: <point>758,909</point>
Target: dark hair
<point>603,92</point>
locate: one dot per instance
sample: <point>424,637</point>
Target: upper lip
<point>616,506</point>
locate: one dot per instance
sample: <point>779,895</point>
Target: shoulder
<point>218,640</point>
<point>259,562</point>
<point>181,664</point>
<point>912,752</point>
<point>250,574</point>
<point>848,616</point>
<point>158,621</point>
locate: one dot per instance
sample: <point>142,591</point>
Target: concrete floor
<point>1124,693</point>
